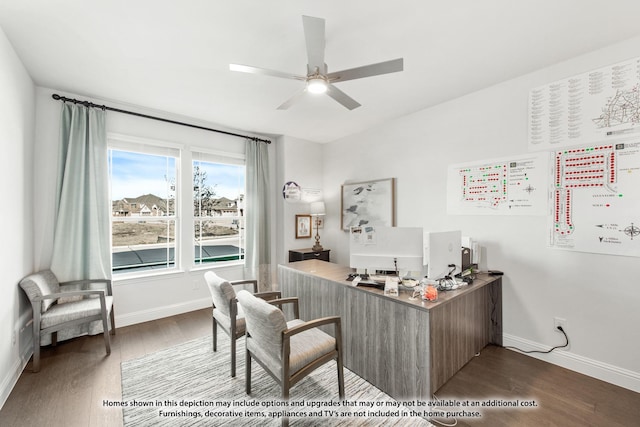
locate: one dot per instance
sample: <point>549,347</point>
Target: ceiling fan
<point>318,79</point>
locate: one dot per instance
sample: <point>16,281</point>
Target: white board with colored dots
<point>509,186</point>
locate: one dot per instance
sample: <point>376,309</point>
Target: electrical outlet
<point>559,321</point>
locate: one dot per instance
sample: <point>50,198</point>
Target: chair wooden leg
<point>36,348</point>
<point>113,322</point>
<point>247,370</point>
<point>215,334</point>
<point>233,356</point>
<point>339,362</point>
<point>340,378</point>
<point>54,338</point>
<point>105,332</point>
<point>285,397</point>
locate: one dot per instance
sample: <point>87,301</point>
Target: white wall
<point>597,294</point>
<point>299,161</point>
<point>17,112</point>
<point>144,298</point>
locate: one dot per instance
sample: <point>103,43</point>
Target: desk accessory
<point>391,286</point>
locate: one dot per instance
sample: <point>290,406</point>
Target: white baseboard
<point>593,368</point>
<point>11,379</point>
<point>161,312</point>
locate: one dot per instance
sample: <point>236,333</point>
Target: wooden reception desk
<point>407,348</point>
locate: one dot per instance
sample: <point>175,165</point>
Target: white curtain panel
<point>82,245</point>
<point>257,243</point>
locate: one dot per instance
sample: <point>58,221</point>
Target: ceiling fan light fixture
<point>317,85</point>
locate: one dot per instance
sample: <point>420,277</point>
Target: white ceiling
<point>174,56</point>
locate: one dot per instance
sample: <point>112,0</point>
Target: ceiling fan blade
<point>264,71</point>
<point>342,97</point>
<point>289,102</point>
<point>386,67</point>
<point>315,38</point>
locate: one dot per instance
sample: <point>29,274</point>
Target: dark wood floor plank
<point>565,398</point>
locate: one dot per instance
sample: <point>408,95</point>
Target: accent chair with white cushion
<point>70,309</point>
<point>288,351</point>
<point>226,312</point>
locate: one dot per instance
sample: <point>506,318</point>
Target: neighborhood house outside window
<point>218,209</point>
<point>143,208</point>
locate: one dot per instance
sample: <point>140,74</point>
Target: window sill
<point>217,266</point>
<point>144,276</point>
<point>125,279</point>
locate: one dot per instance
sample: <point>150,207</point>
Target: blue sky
<point>134,174</point>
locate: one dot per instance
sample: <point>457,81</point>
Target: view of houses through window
<point>145,211</point>
<point>218,209</point>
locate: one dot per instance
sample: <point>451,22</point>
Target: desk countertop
<point>339,273</point>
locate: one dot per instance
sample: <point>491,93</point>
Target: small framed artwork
<point>303,226</point>
<point>370,203</point>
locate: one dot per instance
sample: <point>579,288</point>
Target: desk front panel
<point>384,342</point>
<point>406,348</point>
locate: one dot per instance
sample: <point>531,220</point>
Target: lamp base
<point>317,247</point>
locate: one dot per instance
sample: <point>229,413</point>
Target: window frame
<point>158,148</point>
<point>200,154</point>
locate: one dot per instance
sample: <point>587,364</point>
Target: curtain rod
<point>175,122</point>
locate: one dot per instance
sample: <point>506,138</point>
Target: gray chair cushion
<point>74,310</point>
<point>265,323</point>
<point>221,292</point>
<point>307,347</point>
<point>41,284</point>
<point>225,320</point>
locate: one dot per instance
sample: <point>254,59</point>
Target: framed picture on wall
<point>303,226</point>
<point>368,203</point>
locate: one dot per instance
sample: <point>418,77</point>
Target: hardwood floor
<point>564,397</point>
<point>76,376</point>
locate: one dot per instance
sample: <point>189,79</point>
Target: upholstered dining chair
<point>63,306</point>
<point>226,312</point>
<point>288,351</point>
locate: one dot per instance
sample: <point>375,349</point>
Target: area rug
<point>190,385</point>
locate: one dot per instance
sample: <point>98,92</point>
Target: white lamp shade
<point>317,208</point>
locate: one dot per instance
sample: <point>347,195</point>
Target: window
<point>144,223</point>
<point>218,209</point>
<point>174,208</point>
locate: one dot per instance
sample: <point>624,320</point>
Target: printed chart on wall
<point>595,199</point>
<point>601,105</point>
<point>511,186</point>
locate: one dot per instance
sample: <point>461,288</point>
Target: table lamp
<point>317,209</point>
